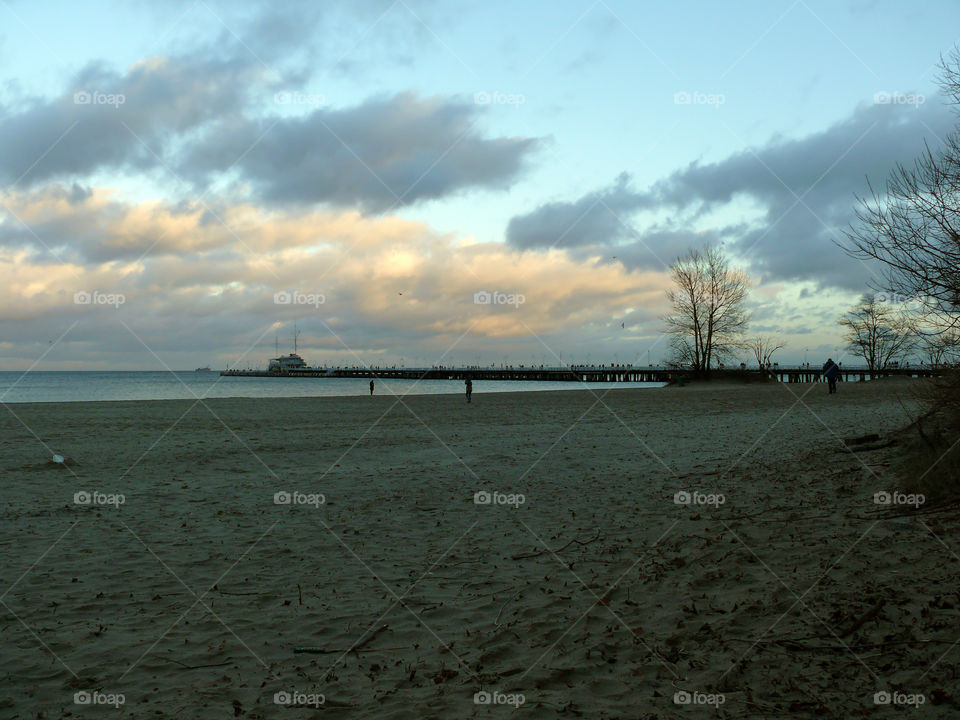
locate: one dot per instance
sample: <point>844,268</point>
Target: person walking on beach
<point>469,385</point>
<point>831,371</point>
<point>371,387</point>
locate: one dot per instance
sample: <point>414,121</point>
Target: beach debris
<point>870,614</point>
<point>194,667</point>
<point>59,459</point>
<point>872,437</point>
<point>444,675</point>
<point>344,651</point>
<point>356,648</point>
<point>522,556</point>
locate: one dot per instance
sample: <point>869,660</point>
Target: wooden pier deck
<point>608,374</point>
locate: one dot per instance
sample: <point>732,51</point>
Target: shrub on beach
<point>931,461</point>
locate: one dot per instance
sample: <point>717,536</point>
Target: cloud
<point>388,285</point>
<point>107,120</point>
<point>595,218</point>
<point>794,198</point>
<point>92,226</point>
<point>210,120</point>
<point>384,153</point>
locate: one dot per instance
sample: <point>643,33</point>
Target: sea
<point>82,386</point>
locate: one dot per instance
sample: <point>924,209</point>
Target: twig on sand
<point>522,556</point>
<point>225,592</point>
<point>342,651</point>
<point>703,473</point>
<point>785,517</point>
<point>356,648</point>
<point>870,614</point>
<point>503,607</point>
<point>193,667</point>
<point>795,644</point>
<point>872,437</point>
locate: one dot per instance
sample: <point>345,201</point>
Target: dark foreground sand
<point>599,596</point>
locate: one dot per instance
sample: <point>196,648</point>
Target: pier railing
<point>592,373</point>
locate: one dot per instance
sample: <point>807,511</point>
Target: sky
<point>439,182</point>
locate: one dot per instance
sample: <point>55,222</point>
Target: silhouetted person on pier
<point>831,371</point>
<point>469,385</point>
<point>371,387</point>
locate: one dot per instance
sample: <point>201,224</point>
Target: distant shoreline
<point>699,385</point>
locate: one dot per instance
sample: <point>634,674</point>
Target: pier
<point>587,374</point>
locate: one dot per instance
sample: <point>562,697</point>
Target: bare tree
<point>941,349</point>
<point>763,349</point>
<point>878,332</point>
<point>708,317</point>
<point>912,226</point>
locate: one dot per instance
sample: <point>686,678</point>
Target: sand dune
<point>593,595</point>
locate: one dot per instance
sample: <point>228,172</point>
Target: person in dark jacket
<point>831,371</point>
<point>371,387</point>
<point>469,386</point>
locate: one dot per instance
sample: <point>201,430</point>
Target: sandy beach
<point>699,551</point>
